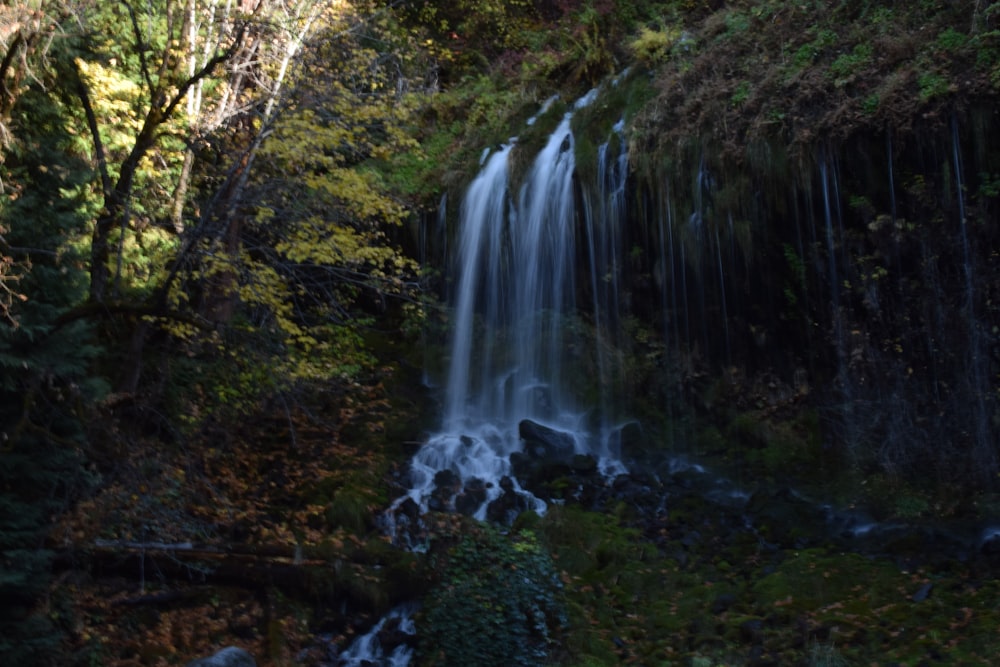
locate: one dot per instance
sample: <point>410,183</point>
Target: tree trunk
<point>180,193</point>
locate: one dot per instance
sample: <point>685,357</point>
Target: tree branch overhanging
<point>116,199</point>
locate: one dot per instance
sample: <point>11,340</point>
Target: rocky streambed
<point>673,563</point>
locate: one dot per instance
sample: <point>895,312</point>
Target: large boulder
<point>545,444</point>
<point>231,656</point>
<point>446,485</point>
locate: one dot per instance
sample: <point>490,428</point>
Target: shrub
<point>849,65</point>
<point>653,46</point>
<point>499,603</point>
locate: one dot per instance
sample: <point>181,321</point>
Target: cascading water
<point>514,347</point>
<point>368,649</point>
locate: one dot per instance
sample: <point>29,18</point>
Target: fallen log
<point>355,578</point>
<point>247,566</point>
<point>160,598</point>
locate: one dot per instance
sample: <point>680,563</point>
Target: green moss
<point>615,579</point>
<point>737,23</point>
<point>826,655</point>
<point>710,440</point>
<point>351,509</point>
<point>275,641</point>
<point>499,603</point>
<point>652,46</point>
<point>741,94</point>
<point>815,579</point>
<point>848,65</point>
<point>932,85</point>
<point>950,39</point>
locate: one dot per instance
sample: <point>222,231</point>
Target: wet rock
<point>989,547</point>
<point>393,634</point>
<point>446,479</point>
<point>752,631</point>
<point>508,506</point>
<point>583,464</point>
<point>520,464</point>
<point>629,439</point>
<point>545,463</point>
<point>923,593</point>
<point>404,525</point>
<point>722,603</point>
<point>507,485</point>
<point>642,493</point>
<point>546,444</point>
<point>471,497</point>
<point>231,656</point>
<point>409,508</point>
<point>446,485</point>
<point>550,481</point>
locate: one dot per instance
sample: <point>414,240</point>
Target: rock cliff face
<point>788,214</point>
<point>813,208</point>
<point>858,276</point>
<point>841,292</point>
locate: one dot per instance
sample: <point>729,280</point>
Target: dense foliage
<point>191,231</point>
<point>498,603</point>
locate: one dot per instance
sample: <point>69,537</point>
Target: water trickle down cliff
<point>855,276</point>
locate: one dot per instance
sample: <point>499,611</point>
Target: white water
<point>514,349</point>
<point>367,649</point>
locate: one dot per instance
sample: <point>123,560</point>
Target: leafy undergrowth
<point>709,596</point>
<point>261,534</point>
<point>498,602</point>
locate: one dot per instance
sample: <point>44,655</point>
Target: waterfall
<point>517,350</point>
<point>481,271</point>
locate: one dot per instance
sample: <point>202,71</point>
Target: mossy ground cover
<point>724,599</point>
<point>803,70</point>
<point>498,601</point>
